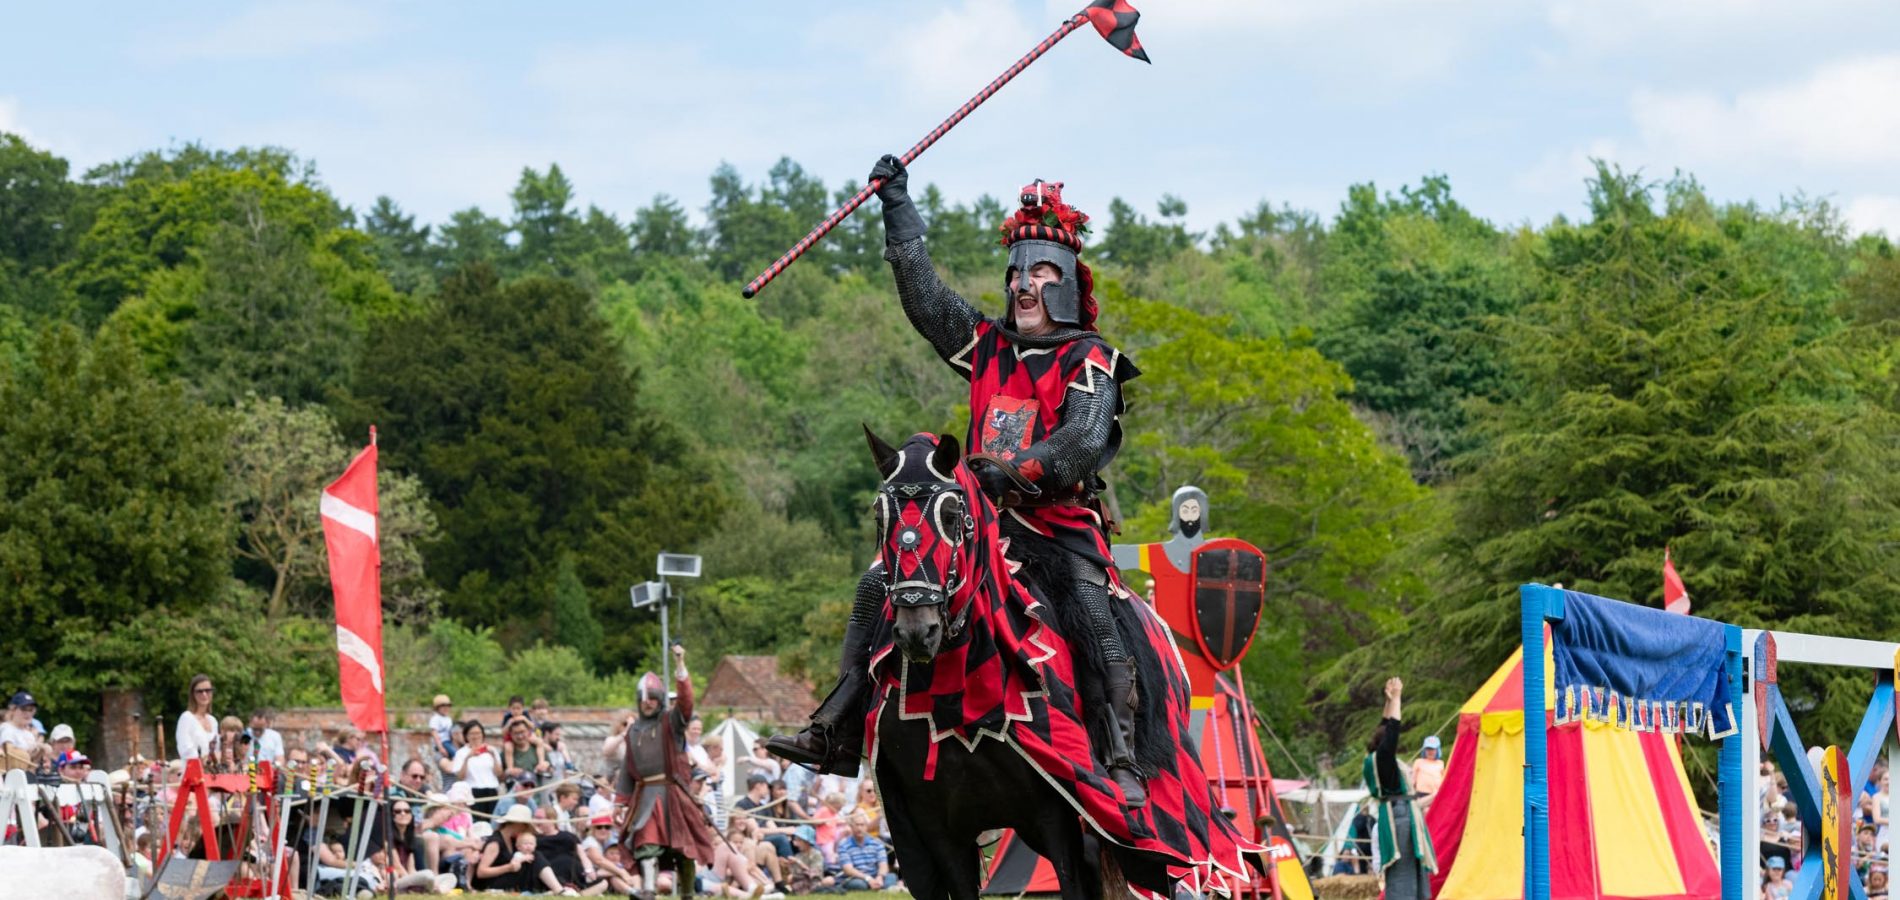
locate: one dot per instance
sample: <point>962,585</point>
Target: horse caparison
<point>940,797</point>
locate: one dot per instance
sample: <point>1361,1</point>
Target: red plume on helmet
<point>1043,215</point>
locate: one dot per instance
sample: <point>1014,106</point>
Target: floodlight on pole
<point>675,565</point>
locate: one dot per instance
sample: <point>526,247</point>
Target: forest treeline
<point>1411,409</point>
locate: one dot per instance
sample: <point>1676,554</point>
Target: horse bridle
<point>917,593</point>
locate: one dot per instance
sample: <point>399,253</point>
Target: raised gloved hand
<point>902,222</point>
<point>994,483</point>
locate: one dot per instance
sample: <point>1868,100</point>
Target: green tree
<point>1679,392</point>
<point>1136,243</point>
<point>111,479</point>
<point>402,248</point>
<point>1264,429</point>
<point>280,459</point>
<point>661,229</point>
<point>41,211</point>
<point>574,623</point>
<point>519,414</point>
<point>472,236</point>
<point>265,323</point>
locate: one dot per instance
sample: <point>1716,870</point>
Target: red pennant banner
<point>349,533</point>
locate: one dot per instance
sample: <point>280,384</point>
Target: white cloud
<point>1874,212</point>
<point>270,30</point>
<point>944,59</point>
<point>1842,116</point>
<point>10,117</point>
<point>1644,27</point>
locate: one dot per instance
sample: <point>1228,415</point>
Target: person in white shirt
<point>267,745</point>
<point>480,765</point>
<point>442,725</point>
<point>197,727</point>
<point>18,731</point>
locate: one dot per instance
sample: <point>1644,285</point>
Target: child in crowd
<point>1776,886</point>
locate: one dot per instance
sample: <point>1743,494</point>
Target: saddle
<point>1024,494</point>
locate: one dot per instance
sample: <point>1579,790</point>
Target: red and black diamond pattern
<point>1023,389</point>
<point>1115,19</point>
<point>1010,675</point>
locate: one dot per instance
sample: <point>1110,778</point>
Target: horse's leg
<point>916,855</point>
<point>964,871</point>
<point>1057,835</point>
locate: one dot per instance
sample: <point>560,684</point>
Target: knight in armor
<point>1045,397</point>
<point>662,817</point>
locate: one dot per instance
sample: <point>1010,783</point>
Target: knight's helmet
<point>1046,230</point>
<point>652,689</point>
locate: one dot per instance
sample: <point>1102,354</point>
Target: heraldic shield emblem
<point>1230,592</point>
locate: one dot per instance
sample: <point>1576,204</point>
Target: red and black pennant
<point>1115,19</point>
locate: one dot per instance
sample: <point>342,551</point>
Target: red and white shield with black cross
<point>1230,591</point>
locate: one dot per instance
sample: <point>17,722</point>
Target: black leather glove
<point>902,222</point>
<point>994,483</point>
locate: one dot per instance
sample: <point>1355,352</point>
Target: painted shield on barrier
<point>191,879</point>
<point>1230,592</point>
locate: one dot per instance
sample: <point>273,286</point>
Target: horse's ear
<point>883,454</point>
<point>945,458</point>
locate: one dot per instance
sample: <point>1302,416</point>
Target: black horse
<point>936,537</point>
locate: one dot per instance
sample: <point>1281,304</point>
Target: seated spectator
<point>830,819</point>
<point>560,762</point>
<point>508,861</point>
<point>267,745</point>
<point>863,863</point>
<point>60,741</point>
<point>456,743</point>
<point>1775,884</point>
<point>412,781</point>
<point>567,799</point>
<point>757,804</point>
<point>869,807</point>
<point>762,761</point>
<point>478,764</point>
<point>1877,879</point>
<point>197,730</point>
<point>226,754</point>
<point>442,725</point>
<point>451,827</point>
<point>743,834</point>
<point>786,809</point>
<point>600,836</point>
<point>524,755</point>
<point>715,760</point>
<point>348,744</point>
<point>805,868</point>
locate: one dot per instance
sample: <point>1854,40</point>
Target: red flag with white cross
<point>349,533</point>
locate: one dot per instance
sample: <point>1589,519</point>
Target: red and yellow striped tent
<point>1622,817</point>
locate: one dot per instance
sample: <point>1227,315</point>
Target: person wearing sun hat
<point>1045,406</point>
<point>508,861</point>
<point>442,724</point>
<point>1428,770</point>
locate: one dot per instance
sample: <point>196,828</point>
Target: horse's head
<point>924,520</point>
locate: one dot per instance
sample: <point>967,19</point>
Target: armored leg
<point>1091,590</point>
<point>834,740</point>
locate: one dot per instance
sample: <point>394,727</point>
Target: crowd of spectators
<point>515,814</point>
<point>1783,837</point>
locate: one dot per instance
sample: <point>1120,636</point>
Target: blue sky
<point>441,105</point>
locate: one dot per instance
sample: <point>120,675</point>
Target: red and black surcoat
<point>1020,396</point>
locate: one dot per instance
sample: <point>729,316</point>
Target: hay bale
<point>1348,887</point>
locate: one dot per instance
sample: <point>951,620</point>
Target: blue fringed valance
<point>1640,668</point>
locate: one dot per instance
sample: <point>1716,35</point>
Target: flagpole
<point>389,802</point>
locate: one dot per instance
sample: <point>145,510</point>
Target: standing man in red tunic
<point>1045,401</point>
<point>662,816</point>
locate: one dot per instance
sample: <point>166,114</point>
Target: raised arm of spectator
<point>1385,755</point>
